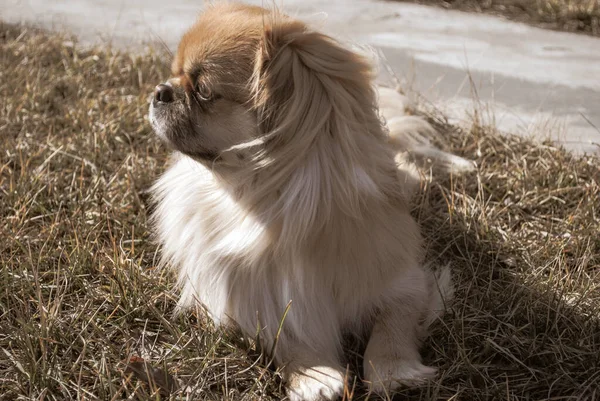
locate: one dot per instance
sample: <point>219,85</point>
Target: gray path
<point>530,81</point>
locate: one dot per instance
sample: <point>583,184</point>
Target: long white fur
<point>225,259</point>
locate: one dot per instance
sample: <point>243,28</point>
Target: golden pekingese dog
<point>284,195</point>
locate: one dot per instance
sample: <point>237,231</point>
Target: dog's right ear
<point>276,69</point>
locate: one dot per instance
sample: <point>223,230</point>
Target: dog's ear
<point>305,83</point>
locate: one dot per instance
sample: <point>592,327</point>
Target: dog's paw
<point>388,374</point>
<point>319,383</point>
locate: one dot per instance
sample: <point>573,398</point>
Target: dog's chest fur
<point>238,266</point>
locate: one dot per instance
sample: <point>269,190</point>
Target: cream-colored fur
<point>310,214</point>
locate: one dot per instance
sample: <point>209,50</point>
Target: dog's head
<point>248,83</point>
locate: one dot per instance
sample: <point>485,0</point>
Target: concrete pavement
<point>530,81</point>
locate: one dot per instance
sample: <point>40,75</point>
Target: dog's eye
<point>204,91</point>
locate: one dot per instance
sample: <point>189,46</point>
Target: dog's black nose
<point>163,93</point>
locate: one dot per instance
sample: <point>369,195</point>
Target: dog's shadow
<point>503,336</point>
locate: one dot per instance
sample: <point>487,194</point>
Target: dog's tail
<point>414,138</point>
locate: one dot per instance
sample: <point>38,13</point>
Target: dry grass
<point>83,309</point>
<point>582,16</point>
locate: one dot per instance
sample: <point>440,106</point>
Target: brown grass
<point>581,16</point>
<point>84,314</point>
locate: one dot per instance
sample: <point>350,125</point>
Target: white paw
<point>388,374</point>
<point>320,383</point>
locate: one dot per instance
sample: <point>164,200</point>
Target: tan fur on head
<point>285,189</point>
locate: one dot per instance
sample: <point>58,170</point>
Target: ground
<point>86,315</point>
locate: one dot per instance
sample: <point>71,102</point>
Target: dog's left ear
<point>305,82</point>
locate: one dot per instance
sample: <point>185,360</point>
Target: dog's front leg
<point>312,369</point>
<point>392,356</point>
<point>314,379</point>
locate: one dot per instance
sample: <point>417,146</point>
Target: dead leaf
<point>156,378</point>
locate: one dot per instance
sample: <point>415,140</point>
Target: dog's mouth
<point>160,122</point>
<point>164,124</point>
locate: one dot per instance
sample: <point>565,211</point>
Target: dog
<point>284,210</point>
